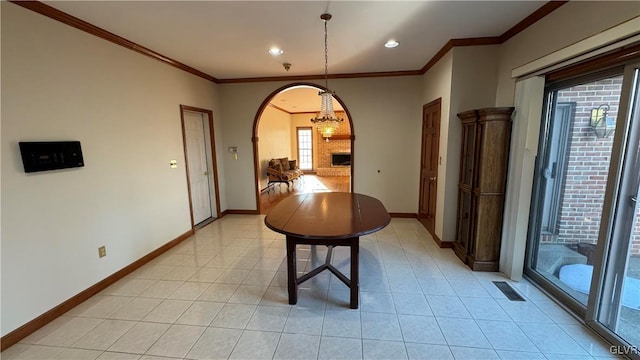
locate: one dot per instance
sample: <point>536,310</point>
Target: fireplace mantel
<point>340,137</point>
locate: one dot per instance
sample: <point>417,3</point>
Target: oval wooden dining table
<point>331,219</point>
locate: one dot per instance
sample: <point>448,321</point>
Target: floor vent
<point>508,291</point>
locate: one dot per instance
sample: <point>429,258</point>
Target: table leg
<point>355,283</point>
<point>291,271</point>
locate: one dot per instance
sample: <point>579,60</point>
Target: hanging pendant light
<point>326,121</point>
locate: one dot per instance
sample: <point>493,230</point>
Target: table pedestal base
<point>293,281</point>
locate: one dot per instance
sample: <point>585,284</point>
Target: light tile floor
<point>222,294</point>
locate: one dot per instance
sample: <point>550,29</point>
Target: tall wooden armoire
<point>486,135</point>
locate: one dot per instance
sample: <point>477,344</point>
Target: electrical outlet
<point>102,251</point>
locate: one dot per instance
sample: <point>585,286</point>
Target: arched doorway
<point>299,119</point>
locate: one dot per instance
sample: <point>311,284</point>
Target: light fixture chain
<point>326,58</point>
<point>326,120</point>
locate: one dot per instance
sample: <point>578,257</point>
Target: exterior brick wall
<point>587,165</point>
<point>326,148</point>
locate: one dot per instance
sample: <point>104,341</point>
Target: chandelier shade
<point>326,120</point>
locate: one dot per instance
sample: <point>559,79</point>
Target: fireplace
<point>340,159</point>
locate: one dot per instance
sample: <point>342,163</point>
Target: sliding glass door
<point>571,181</point>
<point>584,231</point>
<point>617,306</point>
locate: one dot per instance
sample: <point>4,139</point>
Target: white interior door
<point>195,125</point>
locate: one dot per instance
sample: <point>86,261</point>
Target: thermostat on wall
<point>50,155</point>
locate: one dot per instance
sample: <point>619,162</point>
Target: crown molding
<point>320,77</point>
<point>63,17</point>
<point>82,25</point>
<point>279,108</point>
<point>494,40</point>
<point>543,11</point>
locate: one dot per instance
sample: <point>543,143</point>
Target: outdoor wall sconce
<point>602,125</point>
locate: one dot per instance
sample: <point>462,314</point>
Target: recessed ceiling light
<point>275,51</point>
<point>391,44</point>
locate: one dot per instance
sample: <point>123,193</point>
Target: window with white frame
<point>305,147</point>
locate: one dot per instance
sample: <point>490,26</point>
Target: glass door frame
<point>535,219</point>
<point>602,280</point>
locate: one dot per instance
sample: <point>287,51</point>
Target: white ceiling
<point>231,39</point>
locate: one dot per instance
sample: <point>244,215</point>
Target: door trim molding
<point>568,110</point>
<point>214,162</point>
<point>421,190</point>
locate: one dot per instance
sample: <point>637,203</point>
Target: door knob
<point>206,173</point>
<point>433,178</point>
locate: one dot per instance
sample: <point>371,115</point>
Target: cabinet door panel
<point>468,154</point>
<point>492,156</point>
<point>488,231</point>
<point>464,224</point>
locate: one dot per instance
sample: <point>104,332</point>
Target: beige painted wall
<point>241,105</point>
<point>465,78</point>
<point>572,22</point>
<point>383,110</point>
<point>124,108</point>
<point>62,84</point>
<point>474,77</point>
<point>569,24</point>
<point>274,132</point>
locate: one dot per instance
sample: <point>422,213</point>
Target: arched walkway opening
<point>282,128</point>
